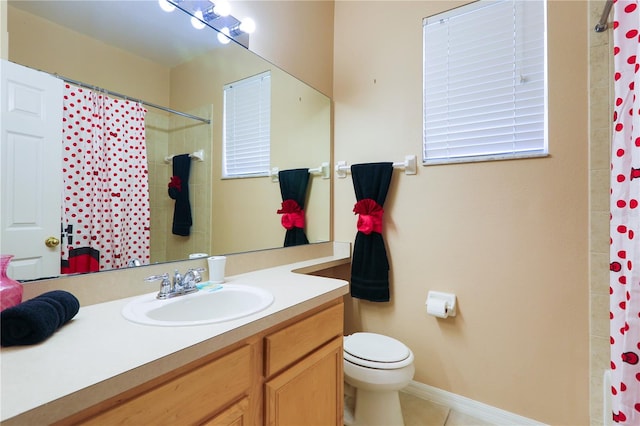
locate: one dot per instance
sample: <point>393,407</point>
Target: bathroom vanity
<point>301,381</point>
<point>282,365</point>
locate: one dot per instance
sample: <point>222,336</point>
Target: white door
<point>30,170</point>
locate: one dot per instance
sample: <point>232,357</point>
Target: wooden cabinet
<point>290,374</point>
<point>188,399</point>
<point>236,415</point>
<point>303,365</point>
<point>310,392</point>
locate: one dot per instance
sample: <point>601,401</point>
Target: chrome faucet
<point>180,286</point>
<point>134,262</point>
<point>189,280</point>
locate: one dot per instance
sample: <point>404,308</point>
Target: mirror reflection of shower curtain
<point>105,206</point>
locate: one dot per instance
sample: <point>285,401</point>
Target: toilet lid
<point>376,351</point>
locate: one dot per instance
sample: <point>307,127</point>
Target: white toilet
<point>376,367</point>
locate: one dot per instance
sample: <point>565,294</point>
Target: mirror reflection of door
<point>30,131</point>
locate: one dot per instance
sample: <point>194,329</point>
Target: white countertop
<point>101,352</point>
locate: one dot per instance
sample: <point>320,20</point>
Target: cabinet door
<point>236,415</point>
<point>310,392</point>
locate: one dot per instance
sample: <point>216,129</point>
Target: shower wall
<point>174,135</point>
<point>187,136</point>
<point>157,132</point>
<point>600,113</point>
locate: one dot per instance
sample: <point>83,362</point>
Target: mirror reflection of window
<point>246,134</point>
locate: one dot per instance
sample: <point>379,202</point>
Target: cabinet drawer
<point>290,344</point>
<point>187,399</point>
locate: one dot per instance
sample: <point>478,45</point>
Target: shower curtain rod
<point>129,98</point>
<point>602,24</point>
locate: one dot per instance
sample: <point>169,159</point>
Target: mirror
<point>134,48</point>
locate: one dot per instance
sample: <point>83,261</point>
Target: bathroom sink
<point>211,304</point>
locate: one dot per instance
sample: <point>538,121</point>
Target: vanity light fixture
<point>166,5</point>
<point>215,13</point>
<point>247,26</point>
<point>224,36</point>
<point>197,20</point>
<point>222,8</point>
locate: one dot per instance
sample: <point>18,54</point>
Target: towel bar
<point>409,165</point>
<point>197,155</point>
<point>323,170</point>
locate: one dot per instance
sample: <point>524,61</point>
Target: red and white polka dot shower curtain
<point>625,217</point>
<point>105,217</point>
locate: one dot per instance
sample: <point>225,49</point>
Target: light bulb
<point>247,25</point>
<point>224,36</point>
<point>221,7</point>
<point>196,20</point>
<point>166,5</point>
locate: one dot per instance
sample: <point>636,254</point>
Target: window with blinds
<point>246,134</point>
<point>484,94</point>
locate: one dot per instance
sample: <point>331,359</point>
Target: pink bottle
<point>10,289</point>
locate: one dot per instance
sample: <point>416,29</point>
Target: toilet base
<point>375,408</point>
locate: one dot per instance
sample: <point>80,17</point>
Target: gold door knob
<point>51,242</point>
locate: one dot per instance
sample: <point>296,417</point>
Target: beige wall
<point>42,45</point>
<point>4,34</point>
<point>510,238</point>
<point>295,35</point>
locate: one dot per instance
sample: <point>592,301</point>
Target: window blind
<point>485,82</point>
<point>246,127</point>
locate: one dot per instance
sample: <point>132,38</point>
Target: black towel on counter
<point>35,320</point>
<point>369,264</point>
<point>293,186</point>
<point>179,191</point>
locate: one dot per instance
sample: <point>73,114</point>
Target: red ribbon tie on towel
<point>369,216</point>
<point>175,183</point>
<point>292,214</point>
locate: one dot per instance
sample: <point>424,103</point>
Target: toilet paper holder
<point>444,302</point>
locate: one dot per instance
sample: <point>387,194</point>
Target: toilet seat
<point>376,351</point>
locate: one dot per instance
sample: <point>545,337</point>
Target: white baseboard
<point>461,404</point>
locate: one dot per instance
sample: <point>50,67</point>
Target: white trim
<point>606,399</point>
<point>480,158</point>
<point>461,404</point>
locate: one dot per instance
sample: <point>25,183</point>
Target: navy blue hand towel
<point>34,320</point>
<point>293,186</point>
<point>369,263</point>
<point>179,191</point>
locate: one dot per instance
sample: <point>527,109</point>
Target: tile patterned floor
<point>418,412</point>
